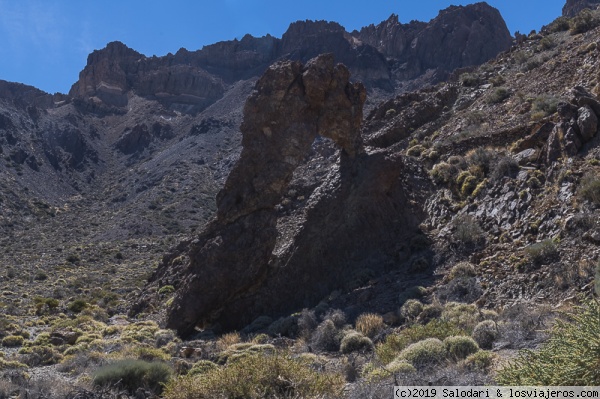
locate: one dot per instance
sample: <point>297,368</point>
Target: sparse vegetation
<point>589,188</point>
<point>498,95</point>
<point>133,374</point>
<point>570,357</point>
<point>541,251</point>
<point>258,376</point>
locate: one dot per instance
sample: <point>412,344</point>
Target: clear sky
<point>45,43</point>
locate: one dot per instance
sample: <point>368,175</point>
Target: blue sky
<point>45,43</point>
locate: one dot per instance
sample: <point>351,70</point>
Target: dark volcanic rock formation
<point>379,56</point>
<point>573,7</point>
<point>111,73</point>
<point>240,267</point>
<point>459,36</point>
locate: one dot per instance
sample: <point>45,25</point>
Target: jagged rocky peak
<point>459,36</point>
<point>115,72</point>
<point>105,75</point>
<point>573,7</point>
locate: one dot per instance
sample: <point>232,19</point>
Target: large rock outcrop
<point>113,72</point>
<point>459,36</point>
<point>573,7</point>
<point>250,260</point>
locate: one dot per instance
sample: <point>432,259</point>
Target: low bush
<point>425,353</point>
<point>369,324</point>
<point>259,376</point>
<point>77,305</point>
<point>541,251</point>
<point>132,374</point>
<point>12,341</point>
<point>467,233</point>
<point>462,269</point>
<point>584,21</point>
<point>354,342</point>
<point>545,104</point>
<point>479,361</point>
<point>411,309</point>
<point>498,95</point>
<point>326,337</point>
<point>570,357</point>
<point>485,333</point>
<point>560,24</point>
<point>395,343</point>
<point>589,188</point>
<point>202,367</point>
<point>459,347</point>
<point>505,167</point>
<point>226,340</point>
<point>467,316</point>
<point>470,79</point>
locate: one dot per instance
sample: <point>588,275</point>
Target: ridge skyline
<point>41,54</point>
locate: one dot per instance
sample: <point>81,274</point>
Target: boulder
<point>587,121</point>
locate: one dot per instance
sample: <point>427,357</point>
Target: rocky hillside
<point>140,145</point>
<point>492,168</point>
<point>258,186</point>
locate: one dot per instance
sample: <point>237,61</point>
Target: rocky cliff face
<point>379,56</point>
<point>112,73</point>
<point>573,7</point>
<point>457,37</point>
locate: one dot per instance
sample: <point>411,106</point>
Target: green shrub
<point>415,151</point>
<point>166,290</point>
<point>541,251</point>
<point>479,361</point>
<point>425,353</point>
<point>589,188</point>
<point>132,374</point>
<point>560,24</point>
<point>461,314</point>
<point>469,79</point>
<point>11,364</point>
<point>411,309</point>
<point>77,305</point>
<point>462,269</point>
<point>394,343</point>
<point>482,158</point>
<point>201,367</point>
<point>12,341</point>
<point>459,347</point>
<point>498,95</point>
<point>485,333</point>
<point>258,376</point>
<point>467,232</point>
<point>374,373</point>
<point>546,104</point>
<point>570,357</point>
<point>355,341</point>
<point>584,21</point>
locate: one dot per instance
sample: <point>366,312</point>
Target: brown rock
<point>252,261</point>
<point>291,104</point>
